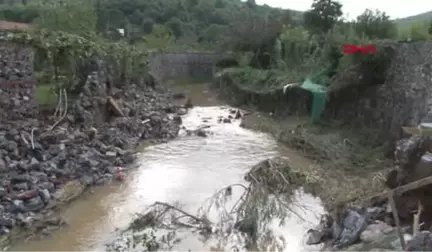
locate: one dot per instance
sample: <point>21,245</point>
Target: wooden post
<point>396,218</point>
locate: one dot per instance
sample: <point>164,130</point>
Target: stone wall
<point>165,66</point>
<point>17,81</point>
<point>403,100</point>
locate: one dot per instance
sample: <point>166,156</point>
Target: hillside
<point>422,17</point>
<point>189,21</point>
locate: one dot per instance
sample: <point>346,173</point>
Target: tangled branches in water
<point>238,215</point>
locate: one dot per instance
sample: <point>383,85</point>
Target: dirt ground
<point>346,168</point>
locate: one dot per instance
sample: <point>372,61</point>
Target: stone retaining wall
<point>183,65</point>
<point>17,81</point>
<point>403,100</point>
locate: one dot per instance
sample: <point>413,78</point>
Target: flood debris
<point>401,218</point>
<point>179,96</point>
<point>237,223</point>
<point>201,131</point>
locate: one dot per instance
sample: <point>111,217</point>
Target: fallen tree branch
<point>115,107</point>
<point>59,101</point>
<point>271,192</point>
<point>416,218</point>
<point>65,112</point>
<point>183,212</point>
<point>32,138</point>
<point>24,140</point>
<point>399,190</point>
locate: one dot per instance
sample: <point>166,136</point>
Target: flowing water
<point>187,170</point>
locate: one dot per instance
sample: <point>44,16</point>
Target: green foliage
<point>298,46</point>
<point>67,56</point>
<point>191,21</point>
<point>430,28</point>
<point>161,37</point>
<point>24,14</point>
<point>375,25</point>
<point>72,16</point>
<point>45,95</point>
<point>262,80</point>
<point>323,15</point>
<point>416,31</point>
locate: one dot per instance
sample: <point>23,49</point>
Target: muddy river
<point>187,170</point>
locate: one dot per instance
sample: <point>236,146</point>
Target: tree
<point>147,25</point>
<point>175,25</point>
<point>219,4</point>
<point>430,28</point>
<point>73,16</point>
<point>323,15</point>
<point>419,32</point>
<point>375,25</point>
<point>160,37</point>
<point>251,3</point>
<point>212,33</point>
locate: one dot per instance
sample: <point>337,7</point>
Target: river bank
<point>347,169</point>
<point>344,157</point>
<point>172,172</point>
<point>352,165</point>
<point>48,161</point>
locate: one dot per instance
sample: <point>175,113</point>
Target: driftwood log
<point>115,107</point>
<point>399,190</point>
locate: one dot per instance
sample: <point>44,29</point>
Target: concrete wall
<point>165,66</point>
<point>17,81</point>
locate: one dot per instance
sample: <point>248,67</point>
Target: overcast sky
<point>353,8</point>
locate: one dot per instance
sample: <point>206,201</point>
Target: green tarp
<point>319,93</point>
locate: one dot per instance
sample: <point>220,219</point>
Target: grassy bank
<point>346,167</point>
<point>346,164</point>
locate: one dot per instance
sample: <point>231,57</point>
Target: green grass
<point>45,96</point>
<point>186,81</point>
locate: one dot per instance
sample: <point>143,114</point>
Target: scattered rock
<point>182,111</point>
<point>178,96</point>
<point>188,103</point>
<point>322,232</point>
<point>422,241</point>
<point>375,231</point>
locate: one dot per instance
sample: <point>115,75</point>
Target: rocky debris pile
<point>40,165</point>
<point>372,228</point>
<point>357,229</point>
<point>413,158</point>
<point>17,82</point>
<point>344,231</point>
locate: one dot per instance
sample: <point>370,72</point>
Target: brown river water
<point>188,170</point>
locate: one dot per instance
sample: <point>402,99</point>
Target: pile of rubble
<point>404,221</point>
<point>40,165</point>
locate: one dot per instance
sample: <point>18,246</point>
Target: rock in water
<point>352,226</point>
